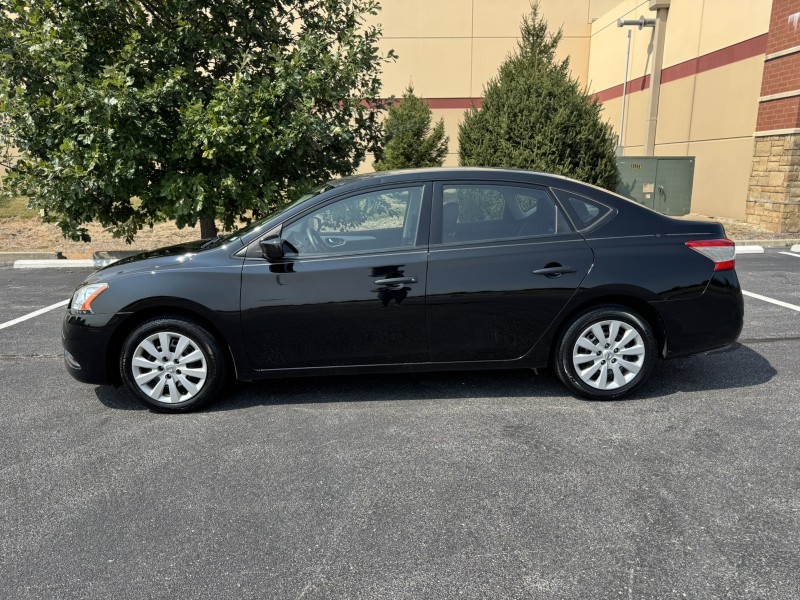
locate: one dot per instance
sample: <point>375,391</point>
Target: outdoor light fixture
<point>640,22</point>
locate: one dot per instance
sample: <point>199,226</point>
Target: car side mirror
<point>272,248</point>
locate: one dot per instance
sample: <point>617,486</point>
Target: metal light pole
<point>660,23</point>
<point>662,8</point>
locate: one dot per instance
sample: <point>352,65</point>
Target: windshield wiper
<point>212,242</point>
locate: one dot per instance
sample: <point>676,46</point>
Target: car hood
<point>169,256</point>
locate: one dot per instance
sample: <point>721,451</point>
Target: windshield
<point>259,224</point>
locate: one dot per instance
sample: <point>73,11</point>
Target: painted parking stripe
<point>772,300</point>
<point>791,254</point>
<point>35,313</point>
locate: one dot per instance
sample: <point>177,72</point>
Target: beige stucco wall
<point>451,48</point>
<point>437,41</point>
<point>711,115</point>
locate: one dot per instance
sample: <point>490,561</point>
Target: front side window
<point>480,212</point>
<point>371,221</point>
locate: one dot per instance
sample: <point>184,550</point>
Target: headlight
<point>83,297</point>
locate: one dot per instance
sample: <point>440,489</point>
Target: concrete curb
<point>61,264</point>
<point>10,257</point>
<point>769,243</point>
<point>795,248</point>
<point>749,249</point>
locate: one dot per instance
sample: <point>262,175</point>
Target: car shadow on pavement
<point>737,366</point>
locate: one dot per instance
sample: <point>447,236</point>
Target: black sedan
<point>419,270</point>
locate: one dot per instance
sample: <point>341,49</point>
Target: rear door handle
<point>396,281</point>
<point>554,271</point>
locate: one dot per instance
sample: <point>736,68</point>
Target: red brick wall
<point>782,33</point>
<point>779,114</point>
<point>781,74</point>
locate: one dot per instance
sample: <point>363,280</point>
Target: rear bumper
<point>86,347</point>
<point>713,320</point>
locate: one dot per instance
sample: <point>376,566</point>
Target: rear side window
<point>476,212</point>
<point>584,212</point>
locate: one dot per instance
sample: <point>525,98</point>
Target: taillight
<point>722,252</point>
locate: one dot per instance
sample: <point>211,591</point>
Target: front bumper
<point>87,345</point>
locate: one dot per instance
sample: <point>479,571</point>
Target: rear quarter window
<point>585,213</point>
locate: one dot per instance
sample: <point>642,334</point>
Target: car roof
<point>489,173</point>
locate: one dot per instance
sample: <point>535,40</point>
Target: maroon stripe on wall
<point>444,103</point>
<point>462,103</point>
<point>713,60</point>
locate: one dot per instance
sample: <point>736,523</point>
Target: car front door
<point>350,289</point>
<point>503,263</point>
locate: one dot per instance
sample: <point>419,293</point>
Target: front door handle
<point>396,281</point>
<point>554,271</point>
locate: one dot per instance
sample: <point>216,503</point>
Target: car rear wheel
<point>172,364</point>
<point>607,352</point>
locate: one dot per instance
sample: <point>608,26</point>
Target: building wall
<point>711,77</point>
<point>774,188</point>
<point>448,49</point>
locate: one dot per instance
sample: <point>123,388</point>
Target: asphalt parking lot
<point>474,485</point>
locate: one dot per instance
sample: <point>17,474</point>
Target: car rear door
<point>503,263</point>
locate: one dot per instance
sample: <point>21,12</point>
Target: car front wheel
<point>172,364</point>
<point>607,352</point>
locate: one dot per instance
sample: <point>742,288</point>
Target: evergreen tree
<point>409,141</point>
<point>536,116</point>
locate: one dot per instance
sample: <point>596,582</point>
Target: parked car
<point>418,270</point>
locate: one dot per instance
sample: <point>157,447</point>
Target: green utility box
<point>663,183</point>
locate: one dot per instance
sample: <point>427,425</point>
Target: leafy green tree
<point>130,112</point>
<point>536,116</point>
<point>409,141</point>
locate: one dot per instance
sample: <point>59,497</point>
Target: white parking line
<point>35,313</point>
<point>790,254</point>
<point>772,300</point>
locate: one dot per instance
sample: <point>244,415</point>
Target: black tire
<point>610,370</point>
<point>190,373</point>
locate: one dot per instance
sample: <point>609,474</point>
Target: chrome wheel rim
<point>608,354</point>
<point>169,367</point>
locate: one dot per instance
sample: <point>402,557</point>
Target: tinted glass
<point>584,212</point>
<point>473,212</point>
<point>374,221</point>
